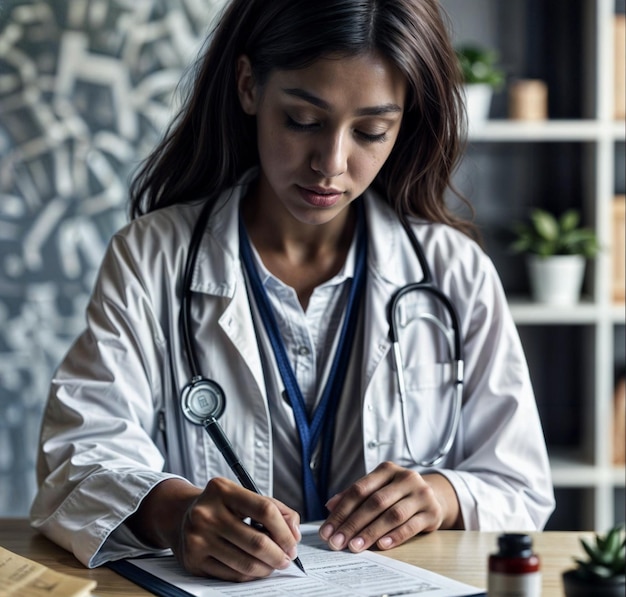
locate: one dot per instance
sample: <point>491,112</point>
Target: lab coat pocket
<point>428,409</point>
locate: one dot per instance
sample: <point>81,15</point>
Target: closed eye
<point>311,126</point>
<point>300,126</point>
<point>370,138</point>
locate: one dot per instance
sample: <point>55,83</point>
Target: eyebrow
<point>320,103</point>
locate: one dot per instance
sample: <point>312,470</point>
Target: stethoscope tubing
<point>185,311</point>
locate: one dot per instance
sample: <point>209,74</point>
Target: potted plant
<point>603,573</point>
<point>556,252</point>
<point>480,77</point>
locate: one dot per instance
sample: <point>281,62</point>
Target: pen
<point>225,447</point>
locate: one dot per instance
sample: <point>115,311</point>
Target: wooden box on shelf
<point>619,249</point>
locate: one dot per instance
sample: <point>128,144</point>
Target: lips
<point>320,196</point>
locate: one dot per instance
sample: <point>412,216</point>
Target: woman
<point>311,132</point>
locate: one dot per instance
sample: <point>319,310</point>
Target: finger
<point>333,501</point>
<point>245,550</point>
<point>419,505</point>
<point>232,564</point>
<point>419,523</point>
<point>292,518</point>
<point>401,521</point>
<point>348,515</point>
<point>215,568</point>
<point>254,553</point>
<point>216,523</point>
<point>269,540</point>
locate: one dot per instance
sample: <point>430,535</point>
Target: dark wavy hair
<point>212,141</point>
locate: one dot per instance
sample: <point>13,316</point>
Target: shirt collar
<point>345,273</point>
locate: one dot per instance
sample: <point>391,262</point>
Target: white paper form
<point>329,573</point>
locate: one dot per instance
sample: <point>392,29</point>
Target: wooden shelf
<point>570,471</point>
<point>586,178</point>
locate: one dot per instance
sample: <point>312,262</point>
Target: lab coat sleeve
<point>98,455</point>
<point>500,471</point>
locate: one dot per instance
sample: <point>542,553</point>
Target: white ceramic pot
<point>477,104</point>
<point>556,280</point>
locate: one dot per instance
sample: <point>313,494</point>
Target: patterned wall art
<point>86,88</point>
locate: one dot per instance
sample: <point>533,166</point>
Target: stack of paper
<point>22,577</point>
<point>340,574</point>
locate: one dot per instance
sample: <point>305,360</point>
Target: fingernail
<point>330,500</point>
<point>327,531</point>
<point>386,542</point>
<point>357,543</point>
<point>293,553</point>
<point>338,540</point>
<point>285,564</point>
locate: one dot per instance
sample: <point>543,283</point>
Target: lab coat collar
<point>389,244</point>
<point>217,267</point>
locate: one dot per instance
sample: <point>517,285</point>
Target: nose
<point>330,156</point>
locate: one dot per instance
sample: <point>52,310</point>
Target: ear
<point>246,86</point>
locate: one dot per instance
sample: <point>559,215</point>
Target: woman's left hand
<point>389,506</point>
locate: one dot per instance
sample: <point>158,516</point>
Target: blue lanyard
<point>322,423</point>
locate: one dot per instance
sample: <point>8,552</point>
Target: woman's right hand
<point>207,533</point>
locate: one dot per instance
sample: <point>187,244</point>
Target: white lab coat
<point>113,427</point>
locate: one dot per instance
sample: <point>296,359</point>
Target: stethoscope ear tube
<point>453,340</point>
<point>457,344</point>
<point>454,423</point>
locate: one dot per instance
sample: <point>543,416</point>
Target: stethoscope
<point>203,401</point>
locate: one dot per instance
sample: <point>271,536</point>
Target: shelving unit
<point>573,351</point>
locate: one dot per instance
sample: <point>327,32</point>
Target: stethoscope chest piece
<point>202,399</point>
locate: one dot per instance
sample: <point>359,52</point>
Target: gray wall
<point>86,87</point>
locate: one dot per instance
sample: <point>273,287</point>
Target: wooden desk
<point>461,555</point>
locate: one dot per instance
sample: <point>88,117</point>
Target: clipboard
<point>147,581</point>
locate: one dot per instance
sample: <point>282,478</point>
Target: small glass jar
<point>515,570</point>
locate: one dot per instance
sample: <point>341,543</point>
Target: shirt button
<point>259,443</point>
<point>303,351</point>
<point>313,464</point>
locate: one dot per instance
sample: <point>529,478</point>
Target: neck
<point>301,255</point>
<point>275,230</point>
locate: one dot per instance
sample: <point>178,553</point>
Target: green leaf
<point>545,248</point>
<point>477,65</point>
<point>619,565</point>
<point>611,541</point>
<point>546,235</point>
<point>545,224</point>
<point>521,245</point>
<point>569,220</point>
<point>601,571</point>
<point>591,550</point>
<point>607,555</point>
<point>581,241</point>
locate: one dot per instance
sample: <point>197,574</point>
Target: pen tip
<point>298,563</point>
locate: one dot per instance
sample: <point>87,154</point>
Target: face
<point>323,133</point>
